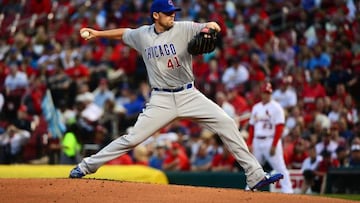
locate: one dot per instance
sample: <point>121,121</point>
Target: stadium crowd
<point>308,49</point>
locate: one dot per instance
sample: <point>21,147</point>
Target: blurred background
<point>62,98</point>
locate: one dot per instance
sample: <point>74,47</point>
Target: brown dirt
<point>94,190</point>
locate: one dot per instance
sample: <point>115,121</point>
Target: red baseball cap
<point>266,87</point>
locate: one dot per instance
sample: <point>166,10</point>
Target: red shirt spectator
<point>263,35</point>
<point>223,162</point>
<point>310,93</point>
<point>79,71</point>
<point>298,156</point>
<point>64,31</point>
<point>124,58</point>
<point>327,163</point>
<point>340,93</point>
<point>176,159</point>
<point>124,159</point>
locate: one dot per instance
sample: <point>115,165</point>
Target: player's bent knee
<point>227,121</point>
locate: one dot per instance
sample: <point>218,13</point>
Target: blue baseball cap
<point>164,6</point>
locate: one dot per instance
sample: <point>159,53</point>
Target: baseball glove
<point>203,42</point>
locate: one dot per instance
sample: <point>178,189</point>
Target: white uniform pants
<point>261,150</point>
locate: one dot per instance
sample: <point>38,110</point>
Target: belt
<point>263,137</point>
<point>178,89</point>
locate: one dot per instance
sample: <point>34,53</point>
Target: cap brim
<point>172,10</point>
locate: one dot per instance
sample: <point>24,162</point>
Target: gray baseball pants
<point>165,107</point>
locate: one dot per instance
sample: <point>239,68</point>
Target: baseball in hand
<point>85,34</point>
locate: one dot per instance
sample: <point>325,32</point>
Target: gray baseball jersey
<point>168,65</point>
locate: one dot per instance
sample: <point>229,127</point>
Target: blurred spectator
<point>235,74</point>
<point>326,144</point>
<point>257,70</point>
<point>312,90</point>
<point>223,162</point>
<point>101,136</point>
<point>134,106</point>
<point>239,102</point>
<point>23,120</point>
<point>202,160</point>
<point>336,111</point>
<point>342,155</point>
<point>79,72</point>
<point>124,159</point>
<point>262,34</point>
<point>303,57</point>
<point>308,169</point>
<point>33,97</point>
<point>59,84</point>
<point>355,156</point>
<point>68,54</point>
<point>355,153</point>
<point>337,81</point>
<point>49,58</point>
<point>110,118</point>
<point>345,131</point>
<point>319,116</point>
<point>284,53</point>
<point>15,80</point>
<point>102,93</point>
<point>157,158</point>
<point>36,149</point>
<point>140,155</point>
<point>351,111</point>
<point>241,30</point>
<point>285,94</point>
<point>229,109</point>
<point>335,136</point>
<point>91,111</point>
<point>12,143</point>
<point>294,118</point>
<point>70,152</point>
<point>324,166</point>
<point>176,159</point>
<point>299,155</point>
<point>89,114</point>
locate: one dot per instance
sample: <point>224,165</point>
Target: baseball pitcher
<point>167,48</point>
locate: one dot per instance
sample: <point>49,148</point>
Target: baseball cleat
<point>76,173</point>
<point>268,179</point>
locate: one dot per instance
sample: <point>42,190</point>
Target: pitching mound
<point>93,190</point>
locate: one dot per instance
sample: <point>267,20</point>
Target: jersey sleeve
<point>191,27</point>
<point>132,38</point>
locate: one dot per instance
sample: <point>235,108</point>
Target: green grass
<point>355,197</point>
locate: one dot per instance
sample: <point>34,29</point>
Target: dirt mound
<point>93,190</point>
